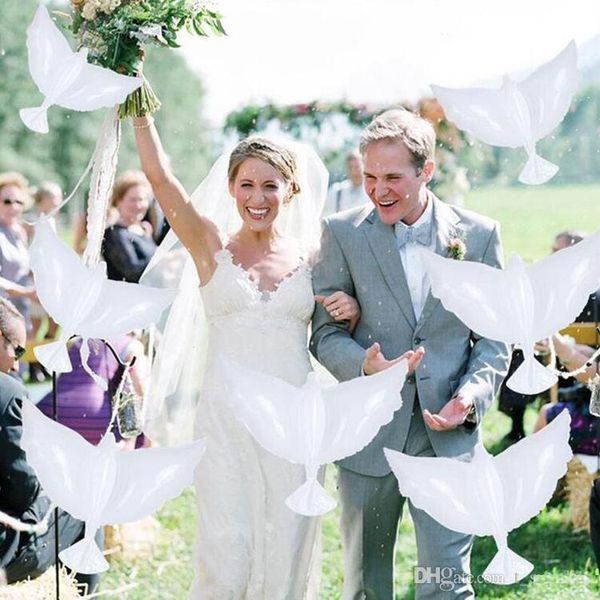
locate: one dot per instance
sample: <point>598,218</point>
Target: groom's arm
<point>331,342</point>
<point>488,361</point>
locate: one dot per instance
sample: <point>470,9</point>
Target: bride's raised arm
<point>198,234</point>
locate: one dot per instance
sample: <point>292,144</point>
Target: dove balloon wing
<point>562,283</point>
<point>48,50</point>
<point>530,469</point>
<point>148,477</point>
<point>96,87</point>
<point>479,295</point>
<point>62,459</point>
<point>268,407</point>
<point>484,113</point>
<point>62,282</point>
<point>448,490</point>
<point>121,307</point>
<point>549,90</point>
<point>357,409</point>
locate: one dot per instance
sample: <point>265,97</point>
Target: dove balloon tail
<point>54,356</point>
<point>537,170</point>
<point>310,499</point>
<point>35,118</point>
<point>84,557</point>
<point>531,377</point>
<point>507,567</point>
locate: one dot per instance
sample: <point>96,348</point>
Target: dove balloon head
<point>398,153</point>
<point>13,337</point>
<point>263,178</point>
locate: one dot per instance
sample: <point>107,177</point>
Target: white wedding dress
<point>249,544</point>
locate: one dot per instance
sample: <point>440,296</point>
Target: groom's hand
<point>375,361</point>
<point>452,415</point>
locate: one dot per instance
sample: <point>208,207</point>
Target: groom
<point>374,256</point>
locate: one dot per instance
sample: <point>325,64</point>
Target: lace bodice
<point>249,325</point>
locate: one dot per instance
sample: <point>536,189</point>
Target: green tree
<point>64,152</point>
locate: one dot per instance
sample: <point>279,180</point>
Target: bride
<point>256,292</point>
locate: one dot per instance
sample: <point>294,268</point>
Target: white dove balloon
<point>522,304</point>
<point>491,495</point>
<point>65,78</point>
<point>102,484</point>
<point>519,113</point>
<point>310,425</point>
<point>84,302</point>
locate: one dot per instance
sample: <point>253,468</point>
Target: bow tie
<point>417,235</point>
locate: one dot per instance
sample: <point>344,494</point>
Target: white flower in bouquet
<point>149,32</point>
<point>88,12</point>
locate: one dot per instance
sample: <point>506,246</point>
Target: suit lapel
<point>445,227</point>
<point>383,245</point>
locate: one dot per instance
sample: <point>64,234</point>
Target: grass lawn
<point>530,216</point>
<point>564,567</point>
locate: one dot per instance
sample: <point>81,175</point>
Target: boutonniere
<point>457,249</point>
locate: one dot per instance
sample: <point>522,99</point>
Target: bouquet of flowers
<point>115,31</point>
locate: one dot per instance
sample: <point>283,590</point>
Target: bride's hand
<point>341,307</point>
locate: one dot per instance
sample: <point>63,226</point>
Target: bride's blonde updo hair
<point>279,157</point>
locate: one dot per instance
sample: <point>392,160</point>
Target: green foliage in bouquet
<point>115,32</point>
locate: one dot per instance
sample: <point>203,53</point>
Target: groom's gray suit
<point>359,255</point>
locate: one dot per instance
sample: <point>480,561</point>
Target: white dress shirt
<point>416,277</point>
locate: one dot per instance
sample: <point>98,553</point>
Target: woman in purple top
<point>82,405</point>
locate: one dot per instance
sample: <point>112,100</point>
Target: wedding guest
<point>584,437</point>
<point>82,405</point>
<point>512,403</point>
<point>25,555</point>
<point>47,197</point>
<point>348,193</point>
<point>14,255</point>
<point>576,399</point>
<point>128,245</point>
<point>80,228</point>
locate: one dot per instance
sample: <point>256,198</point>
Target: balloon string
<point>117,393</point>
<point>69,197</point>
<point>567,374</point>
<point>38,528</point>
<point>75,189</point>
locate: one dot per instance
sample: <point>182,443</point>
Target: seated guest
<point>512,403</point>
<point>25,555</point>
<point>575,398</point>
<point>82,405</point>
<point>128,245</point>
